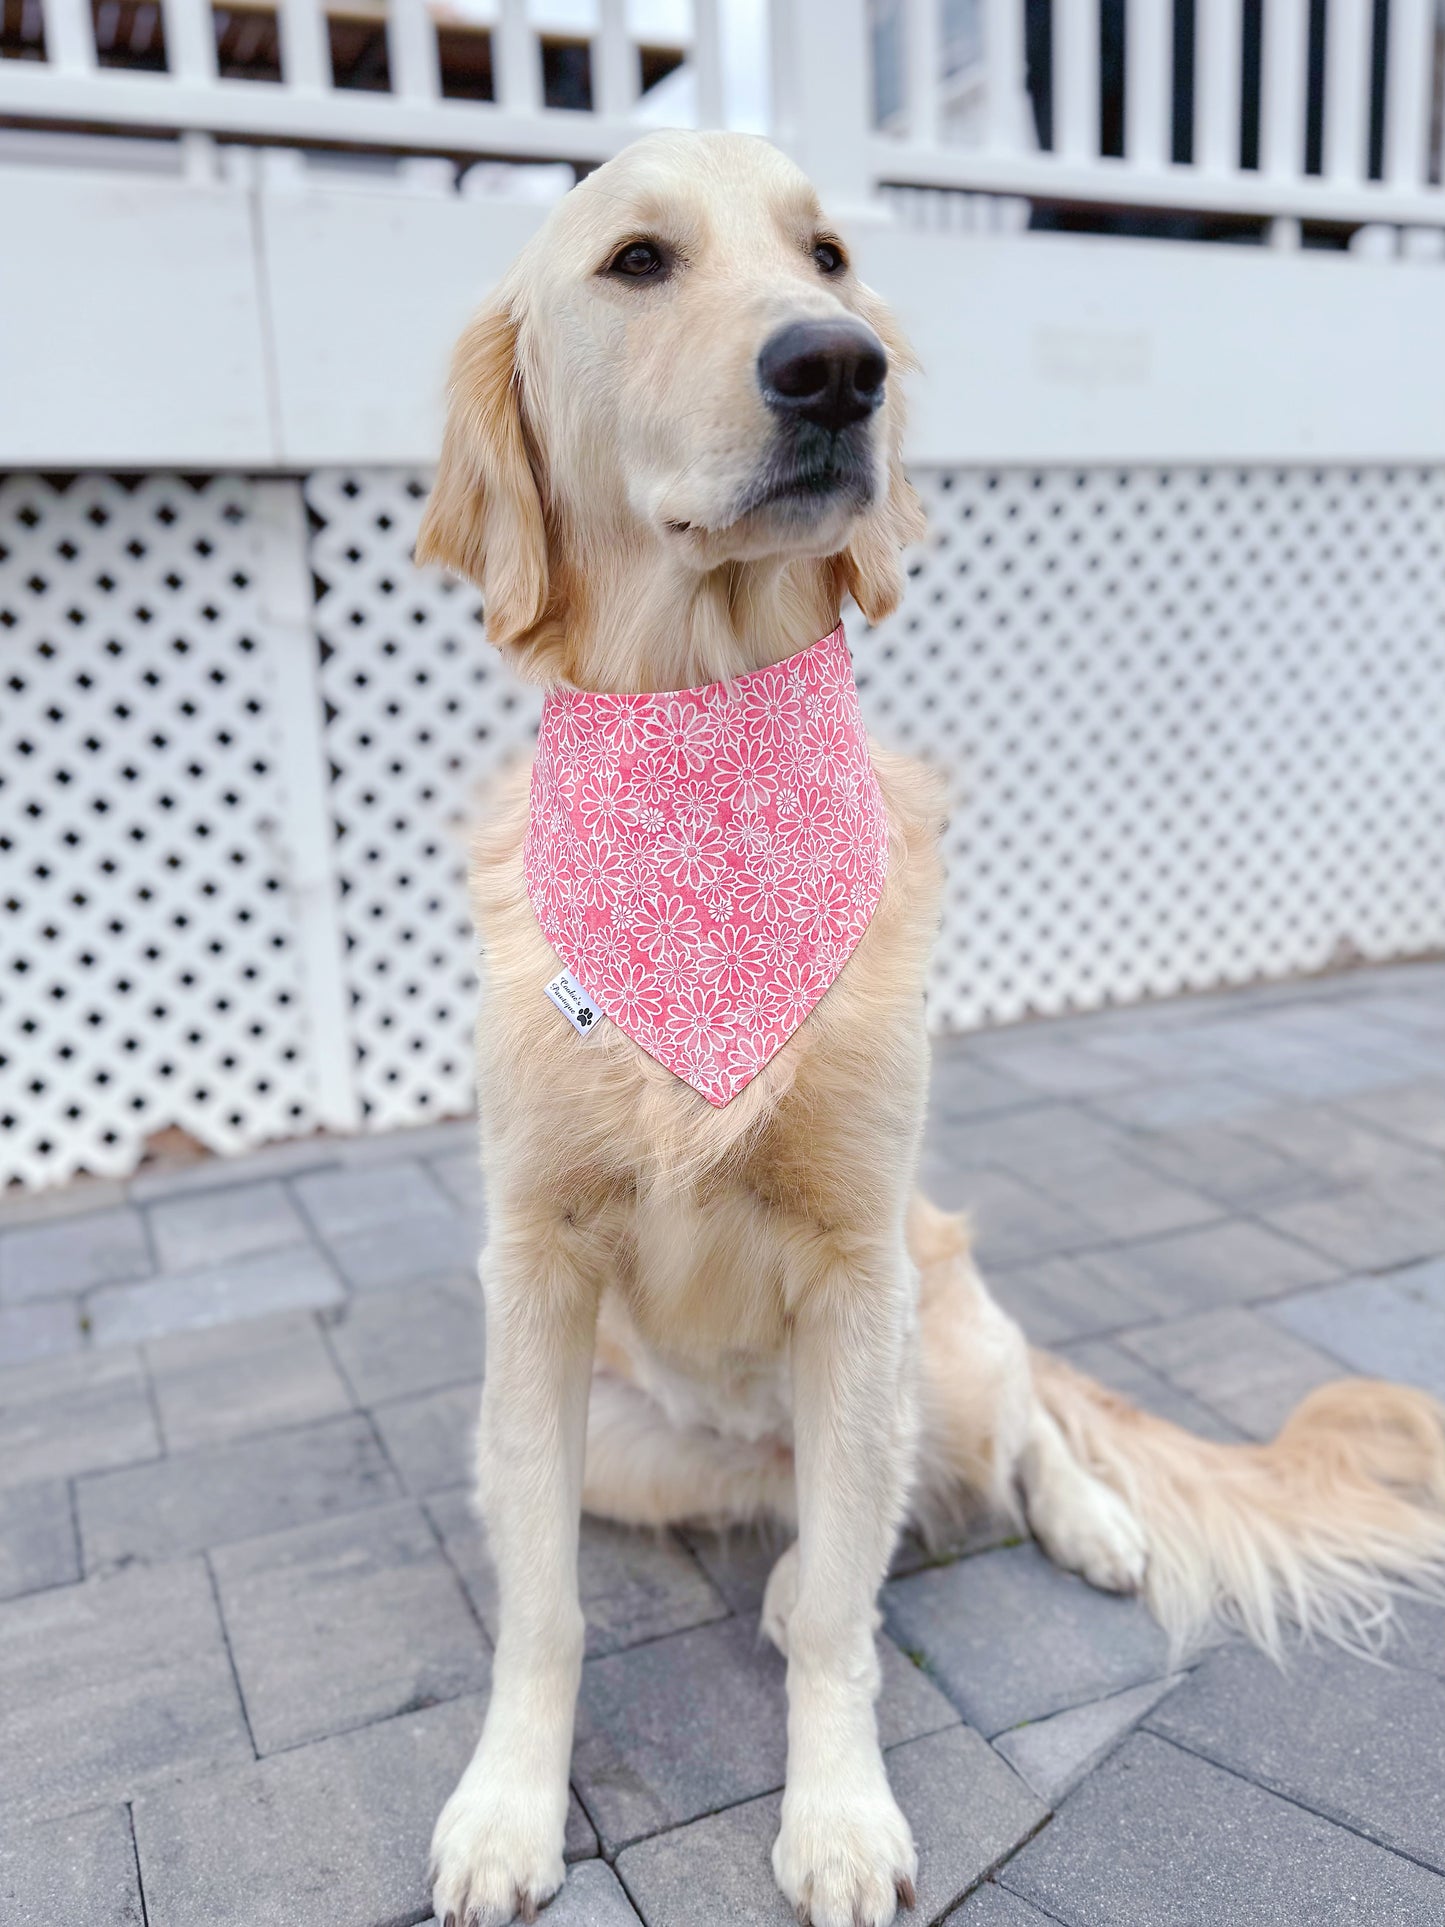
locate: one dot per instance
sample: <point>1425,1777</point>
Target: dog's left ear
<point>871,567</point>
<point>484,517</point>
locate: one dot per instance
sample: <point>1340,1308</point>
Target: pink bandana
<point>705,860</point>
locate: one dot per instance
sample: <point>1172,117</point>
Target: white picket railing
<point>869,94</point>
<point>305,106</point>
<point>995,155</point>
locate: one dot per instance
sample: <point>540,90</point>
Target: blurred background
<point>1176,271</point>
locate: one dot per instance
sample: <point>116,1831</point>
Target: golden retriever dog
<point>712,1313</point>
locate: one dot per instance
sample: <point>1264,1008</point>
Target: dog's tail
<point>1316,1532</point>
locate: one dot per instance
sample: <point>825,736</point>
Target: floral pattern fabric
<point>705,860</point>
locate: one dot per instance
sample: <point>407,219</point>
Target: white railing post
<point>1347,88</point>
<point>924,69</point>
<point>1282,88</point>
<point>517,59</point>
<point>1005,100</point>
<point>69,36</point>
<point>190,40</point>
<point>305,45</point>
<point>1409,80</point>
<point>616,67</point>
<point>1220,56</point>
<point>411,47</point>
<point>1147,84</point>
<point>1076,81</point>
<point>823,95</point>
<point>309,843</point>
<point>707,62</point>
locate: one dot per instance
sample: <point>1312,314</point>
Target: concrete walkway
<point>246,1632</point>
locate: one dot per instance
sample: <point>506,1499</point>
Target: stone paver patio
<point>246,1625</point>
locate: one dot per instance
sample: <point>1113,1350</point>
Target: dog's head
<point>683,363</point>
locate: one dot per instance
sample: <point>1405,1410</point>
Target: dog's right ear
<point>484,517</point>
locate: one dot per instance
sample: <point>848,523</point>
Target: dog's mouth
<point>811,475</point>
<point>810,472</point>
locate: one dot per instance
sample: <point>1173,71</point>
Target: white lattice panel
<point>1195,720</point>
<point>147,969</point>
<point>421,712</point>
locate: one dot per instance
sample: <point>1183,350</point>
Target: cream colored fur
<point>767,1319</point>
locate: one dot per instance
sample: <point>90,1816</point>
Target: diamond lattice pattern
<point>147,964</point>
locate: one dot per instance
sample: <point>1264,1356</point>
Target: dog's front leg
<point>844,1855</point>
<point>497,1849</point>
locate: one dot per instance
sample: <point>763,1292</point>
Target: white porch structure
<point>1178,634</point>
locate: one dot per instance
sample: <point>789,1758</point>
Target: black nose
<point>828,372</point>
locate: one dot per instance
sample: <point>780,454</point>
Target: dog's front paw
<point>496,1854</point>
<point>845,1861</point>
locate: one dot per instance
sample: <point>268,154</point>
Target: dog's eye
<point>829,257</point>
<point>637,261</point>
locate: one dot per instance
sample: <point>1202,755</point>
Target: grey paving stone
<point>459,1173</point>
<point>431,1439</point>
<point>1232,1262</point>
<point>80,1868</point>
<point>110,1686</point>
<point>69,1255</point>
<point>581,1839</point>
<point>962,1088</point>
<point>199,1230</point>
<point>686,1725</point>
<point>1010,1637</point>
<point>1157,1838</point>
<point>634,1585</point>
<point>1053,1755</point>
<point>1062,1299</point>
<point>1414,1111</point>
<point>395,1343</point>
<point>1391,1327</point>
<point>414,1141</point>
<point>966,1809</point>
<point>1318,1070</point>
<point>1337,1147</point>
<point>66,1415</point>
<point>993,1906</point>
<point>228,1492</point>
<point>370,1196</point>
<point>70,1200</point>
<point>295,1278</point>
<point>1043,1060</point>
<point>1012,1222</point>
<point>738,1561</point>
<point>37,1538</point>
<point>1033,1143</point>
<point>1373,1227</point>
<point>343,1622</point>
<point>1131,1378</point>
<point>47,1328</point>
<point>1240,1170</point>
<point>257,1376</point>
<point>330,1835</point>
<point>1358,1743</point>
<point>592,1897</point>
<point>435,1246</point>
<point>1418,1636</point>
<point>1177,1105</point>
<point>1236,1362</point>
<point>1120,1198</point>
<point>983,1532</point>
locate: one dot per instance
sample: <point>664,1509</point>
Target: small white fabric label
<point>577,1005</point>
